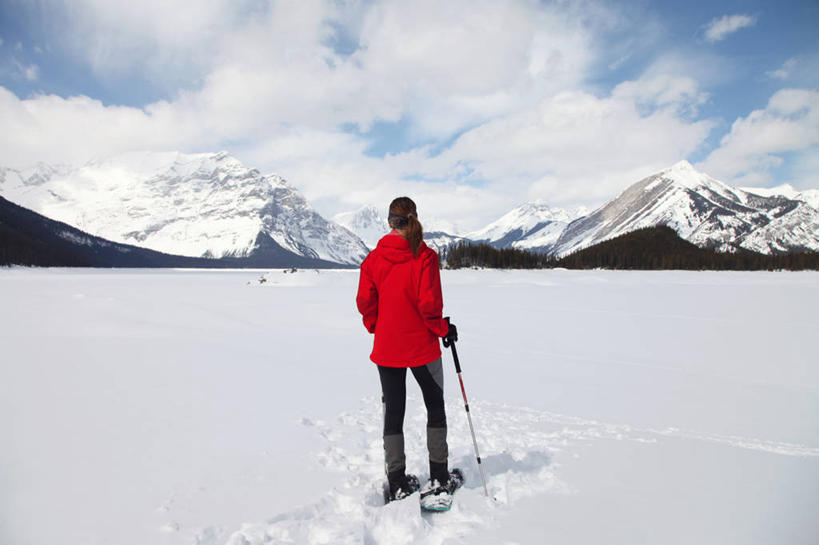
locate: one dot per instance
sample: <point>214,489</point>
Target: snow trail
<point>520,466</point>
<point>524,449</point>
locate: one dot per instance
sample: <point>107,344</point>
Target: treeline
<point>464,254</point>
<point>653,248</point>
<point>658,248</point>
<point>20,249</point>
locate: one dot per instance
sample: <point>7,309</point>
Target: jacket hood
<point>396,249</point>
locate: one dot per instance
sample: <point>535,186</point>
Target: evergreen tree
<point>652,248</point>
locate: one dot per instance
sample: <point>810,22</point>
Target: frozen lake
<point>185,407</point>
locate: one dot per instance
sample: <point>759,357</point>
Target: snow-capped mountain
<point>795,230</point>
<point>532,226</point>
<point>368,223</point>
<point>810,196</point>
<point>703,211</point>
<point>186,204</point>
<point>438,240</point>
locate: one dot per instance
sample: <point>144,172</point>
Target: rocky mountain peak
<point>700,209</point>
<point>205,204</point>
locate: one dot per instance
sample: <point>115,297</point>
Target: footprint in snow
<point>519,446</point>
<point>518,449</point>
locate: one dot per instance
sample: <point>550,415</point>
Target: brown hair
<point>403,215</point>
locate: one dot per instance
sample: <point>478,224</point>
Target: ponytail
<point>403,215</point>
<point>415,233</point>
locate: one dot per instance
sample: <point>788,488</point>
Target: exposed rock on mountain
<point>703,211</point>
<point>207,205</point>
<point>532,226</point>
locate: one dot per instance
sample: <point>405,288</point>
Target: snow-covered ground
<point>198,407</point>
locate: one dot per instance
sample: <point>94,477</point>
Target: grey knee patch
<point>436,369</point>
<point>436,444</point>
<point>394,452</point>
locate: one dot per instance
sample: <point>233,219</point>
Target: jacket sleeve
<point>367,298</point>
<point>430,300</point>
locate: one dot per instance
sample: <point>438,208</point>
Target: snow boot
<point>401,485</point>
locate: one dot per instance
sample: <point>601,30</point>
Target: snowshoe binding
<point>400,486</point>
<point>437,497</point>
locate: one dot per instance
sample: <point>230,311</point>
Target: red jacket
<point>399,297</point>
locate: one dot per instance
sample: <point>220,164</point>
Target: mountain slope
<point>369,224</point>
<point>28,238</point>
<point>795,230</point>
<point>439,240</point>
<point>649,248</point>
<point>809,196</point>
<point>207,205</point>
<point>700,209</point>
<point>366,222</point>
<point>532,226</point>
<point>660,247</point>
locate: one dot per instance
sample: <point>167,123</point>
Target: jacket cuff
<point>444,328</point>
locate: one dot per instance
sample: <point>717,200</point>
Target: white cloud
<point>272,88</point>
<point>31,72</point>
<point>447,66</point>
<point>580,147</point>
<point>680,93</point>
<point>53,129</point>
<point>805,169</point>
<point>442,68</point>
<point>784,71</point>
<point>168,43</point>
<point>707,69</point>
<point>16,70</point>
<point>800,71</point>
<point>573,148</point>
<point>719,28</point>
<point>756,143</point>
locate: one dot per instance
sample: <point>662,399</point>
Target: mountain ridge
<point>702,210</point>
<point>196,205</point>
<point>31,239</point>
<point>532,225</point>
<point>210,205</point>
<point>369,224</point>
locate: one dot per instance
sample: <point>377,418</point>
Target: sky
<point>469,107</point>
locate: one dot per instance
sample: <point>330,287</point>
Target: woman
<point>399,297</point>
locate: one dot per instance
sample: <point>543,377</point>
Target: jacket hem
<point>417,362</point>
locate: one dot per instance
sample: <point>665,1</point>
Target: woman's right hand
<point>451,334</point>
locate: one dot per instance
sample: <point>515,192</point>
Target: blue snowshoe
<point>437,497</point>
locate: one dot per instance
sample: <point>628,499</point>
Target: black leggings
<point>394,390</point>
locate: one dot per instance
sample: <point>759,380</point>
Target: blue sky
<point>481,105</point>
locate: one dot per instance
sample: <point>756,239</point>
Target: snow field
<point>207,407</point>
<point>526,444</point>
<point>353,512</point>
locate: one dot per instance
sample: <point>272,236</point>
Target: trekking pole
<point>468,415</point>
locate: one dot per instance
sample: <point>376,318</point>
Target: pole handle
<point>449,343</point>
<point>455,357</point>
